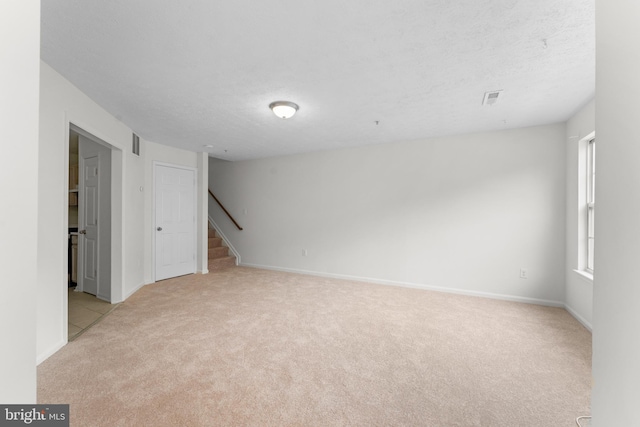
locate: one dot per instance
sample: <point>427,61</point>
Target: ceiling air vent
<point>491,98</point>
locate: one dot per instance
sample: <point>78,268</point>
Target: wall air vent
<point>135,146</point>
<point>491,98</point>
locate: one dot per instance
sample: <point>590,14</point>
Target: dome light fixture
<point>283,109</point>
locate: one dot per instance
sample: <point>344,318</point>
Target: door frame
<point>117,197</point>
<point>153,213</point>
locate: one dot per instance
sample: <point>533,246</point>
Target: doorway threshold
<point>85,310</point>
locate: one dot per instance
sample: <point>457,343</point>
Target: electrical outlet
<point>304,252</point>
<point>524,274</point>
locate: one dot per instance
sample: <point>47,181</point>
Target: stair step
<point>215,242</point>
<point>221,263</point>
<point>218,252</point>
<point>219,257</point>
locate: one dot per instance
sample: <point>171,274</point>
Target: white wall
<point>616,316</point>
<point>19,76</point>
<point>131,183</point>
<point>460,213</point>
<point>60,104</point>
<point>579,289</point>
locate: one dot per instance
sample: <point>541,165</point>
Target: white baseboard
<point>133,291</point>
<point>513,298</point>
<point>579,318</point>
<point>50,352</point>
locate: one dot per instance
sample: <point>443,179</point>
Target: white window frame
<point>585,207</point>
<point>590,177</point>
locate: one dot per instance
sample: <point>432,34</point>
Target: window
<point>590,203</point>
<point>585,207</point>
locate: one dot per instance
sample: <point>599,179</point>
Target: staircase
<point>219,257</point>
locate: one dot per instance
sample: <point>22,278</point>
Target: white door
<point>175,221</point>
<point>89,201</point>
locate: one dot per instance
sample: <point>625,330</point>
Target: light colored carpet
<point>249,347</point>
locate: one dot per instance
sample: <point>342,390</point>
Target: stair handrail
<point>225,211</point>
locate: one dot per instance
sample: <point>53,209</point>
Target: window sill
<point>584,275</point>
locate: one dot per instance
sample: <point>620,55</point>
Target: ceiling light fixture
<point>283,109</point>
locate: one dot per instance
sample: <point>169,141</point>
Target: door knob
<point>82,232</point>
<point>159,228</point>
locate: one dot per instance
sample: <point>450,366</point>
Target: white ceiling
<point>195,73</point>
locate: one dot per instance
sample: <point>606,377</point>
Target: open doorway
<point>89,231</point>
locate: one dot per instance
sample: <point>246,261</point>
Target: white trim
<point>226,241</point>
<point>154,164</point>
<point>582,242</point>
<point>53,350</point>
<point>65,254</point>
<point>87,134</point>
<point>117,199</point>
<point>503,297</point>
<point>579,318</point>
<point>131,292</point>
<point>584,275</point>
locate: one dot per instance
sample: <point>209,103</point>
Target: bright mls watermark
<point>34,415</point>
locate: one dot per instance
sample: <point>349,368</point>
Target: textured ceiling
<point>195,73</point>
